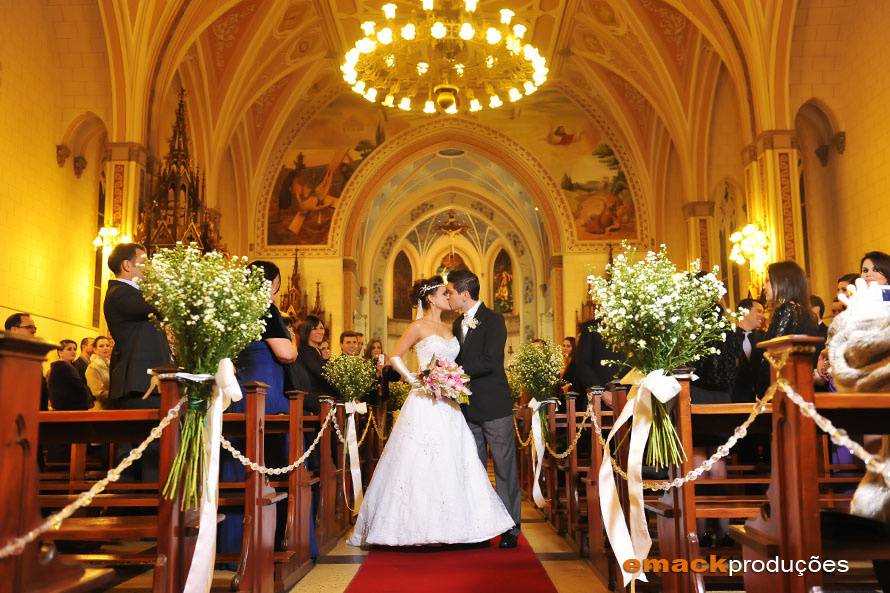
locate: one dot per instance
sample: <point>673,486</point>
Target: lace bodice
<point>436,345</point>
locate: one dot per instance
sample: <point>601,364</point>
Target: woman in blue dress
<point>265,360</point>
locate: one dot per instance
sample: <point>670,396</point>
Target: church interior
<point>240,125</point>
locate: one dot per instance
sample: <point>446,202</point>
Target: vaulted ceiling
<point>255,68</point>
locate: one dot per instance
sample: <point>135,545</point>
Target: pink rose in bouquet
<point>446,379</point>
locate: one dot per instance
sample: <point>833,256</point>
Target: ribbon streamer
<point>538,455</point>
<point>355,468</point>
<point>200,577</point>
<point>633,543</point>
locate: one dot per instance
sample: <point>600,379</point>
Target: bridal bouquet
<point>446,379</point>
<point>659,319</point>
<point>212,306</point>
<point>352,376</point>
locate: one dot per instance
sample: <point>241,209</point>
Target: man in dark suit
<point>746,336</point>
<point>589,368</point>
<point>483,336</point>
<point>139,345</point>
<point>83,361</point>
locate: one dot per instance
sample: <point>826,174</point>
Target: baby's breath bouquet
<point>398,393</point>
<point>514,383</point>
<point>536,367</point>
<point>212,306</point>
<point>659,318</point>
<point>352,376</point>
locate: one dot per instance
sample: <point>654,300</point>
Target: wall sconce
<point>750,246</point>
<point>108,237</point>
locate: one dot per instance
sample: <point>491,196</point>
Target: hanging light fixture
<point>442,56</point>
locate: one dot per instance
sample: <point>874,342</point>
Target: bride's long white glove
<point>399,365</point>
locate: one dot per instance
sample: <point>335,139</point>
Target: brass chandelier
<point>445,59</point>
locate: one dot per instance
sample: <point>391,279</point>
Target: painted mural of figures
<point>603,208</point>
<point>503,283</point>
<point>562,136</point>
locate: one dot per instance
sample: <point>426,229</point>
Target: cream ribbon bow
<point>355,468</point>
<point>200,576</point>
<point>634,543</point>
<point>538,454</point>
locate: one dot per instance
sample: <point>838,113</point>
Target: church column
<point>701,232</point>
<point>125,176</point>
<point>349,284</point>
<point>773,194</point>
<point>556,281</point>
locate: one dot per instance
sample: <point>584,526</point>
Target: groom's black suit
<point>490,411</point>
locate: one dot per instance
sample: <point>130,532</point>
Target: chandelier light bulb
<point>368,27</point>
<point>514,46</point>
<point>409,32</point>
<point>352,56</point>
<point>494,101</point>
<point>390,61</point>
<point>429,106</point>
<point>405,104</point>
<point>493,36</point>
<point>365,45</point>
<point>427,4</point>
<point>384,36</point>
<point>389,10</point>
<point>371,95</point>
<point>529,87</point>
<point>422,68</point>
<point>452,110</point>
<point>388,101</point>
<point>506,16</point>
<point>466,31</point>
<point>519,30</point>
<point>438,30</point>
<point>489,62</point>
<point>470,5</point>
<point>459,68</point>
<point>515,95</point>
<point>475,105</point>
<point>359,87</point>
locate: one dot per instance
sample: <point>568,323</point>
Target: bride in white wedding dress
<point>428,486</point>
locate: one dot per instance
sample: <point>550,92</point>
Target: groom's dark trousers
<point>490,412</point>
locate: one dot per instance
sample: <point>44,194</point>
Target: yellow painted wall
<point>328,271</point>
<point>47,215</point>
<point>839,57</point>
<point>576,268</point>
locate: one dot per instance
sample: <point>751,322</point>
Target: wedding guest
<point>20,324</point>
<point>360,339</point>
<point>96,374</point>
<point>311,335</point>
<point>748,334</point>
<point>138,344</point>
<point>385,373</point>
<point>325,349</point>
<point>716,372</point>
<point>349,343</point>
<point>875,267</point>
<point>837,307</point>
<point>591,368</point>
<point>818,307</point>
<point>66,389</point>
<point>787,291</point>
<point>567,375</point>
<point>264,360</point>
<point>844,281</point>
<point>83,361</point>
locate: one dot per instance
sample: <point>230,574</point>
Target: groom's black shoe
<point>509,540</point>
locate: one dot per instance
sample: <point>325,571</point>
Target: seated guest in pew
<point>350,343</point>
<point>592,368</point>
<point>567,375</point>
<point>748,334</point>
<point>818,307</point>
<point>21,324</point>
<point>138,344</point>
<point>97,372</point>
<point>788,293</point>
<point>67,391</point>
<point>311,336</point>
<point>83,361</point>
<point>264,360</point>
<point>385,373</point>
<point>325,349</point>
<point>846,280</point>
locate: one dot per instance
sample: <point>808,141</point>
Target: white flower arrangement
<point>398,393</point>
<point>212,306</point>
<point>657,317</point>
<point>352,376</point>
<point>536,367</point>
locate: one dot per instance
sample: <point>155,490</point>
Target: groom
<point>483,336</point>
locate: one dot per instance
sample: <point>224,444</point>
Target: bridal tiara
<point>426,289</point>
<point>423,291</point>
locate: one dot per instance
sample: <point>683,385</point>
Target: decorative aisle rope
<point>17,546</point>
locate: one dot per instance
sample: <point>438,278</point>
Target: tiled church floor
<point>334,570</point>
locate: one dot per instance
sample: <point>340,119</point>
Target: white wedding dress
<point>429,486</point>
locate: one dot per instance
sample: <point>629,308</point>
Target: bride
<point>429,487</point>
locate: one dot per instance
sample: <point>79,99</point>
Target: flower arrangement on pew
<point>659,319</point>
<point>352,376</point>
<point>212,306</point>
<point>398,393</point>
<point>445,379</point>
<point>514,383</point>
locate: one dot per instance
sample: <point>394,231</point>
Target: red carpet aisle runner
<point>452,569</point>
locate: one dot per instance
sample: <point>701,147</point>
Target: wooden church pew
<point>788,525</point>
<point>32,570</point>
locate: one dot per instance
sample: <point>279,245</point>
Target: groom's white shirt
<point>470,314</point>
